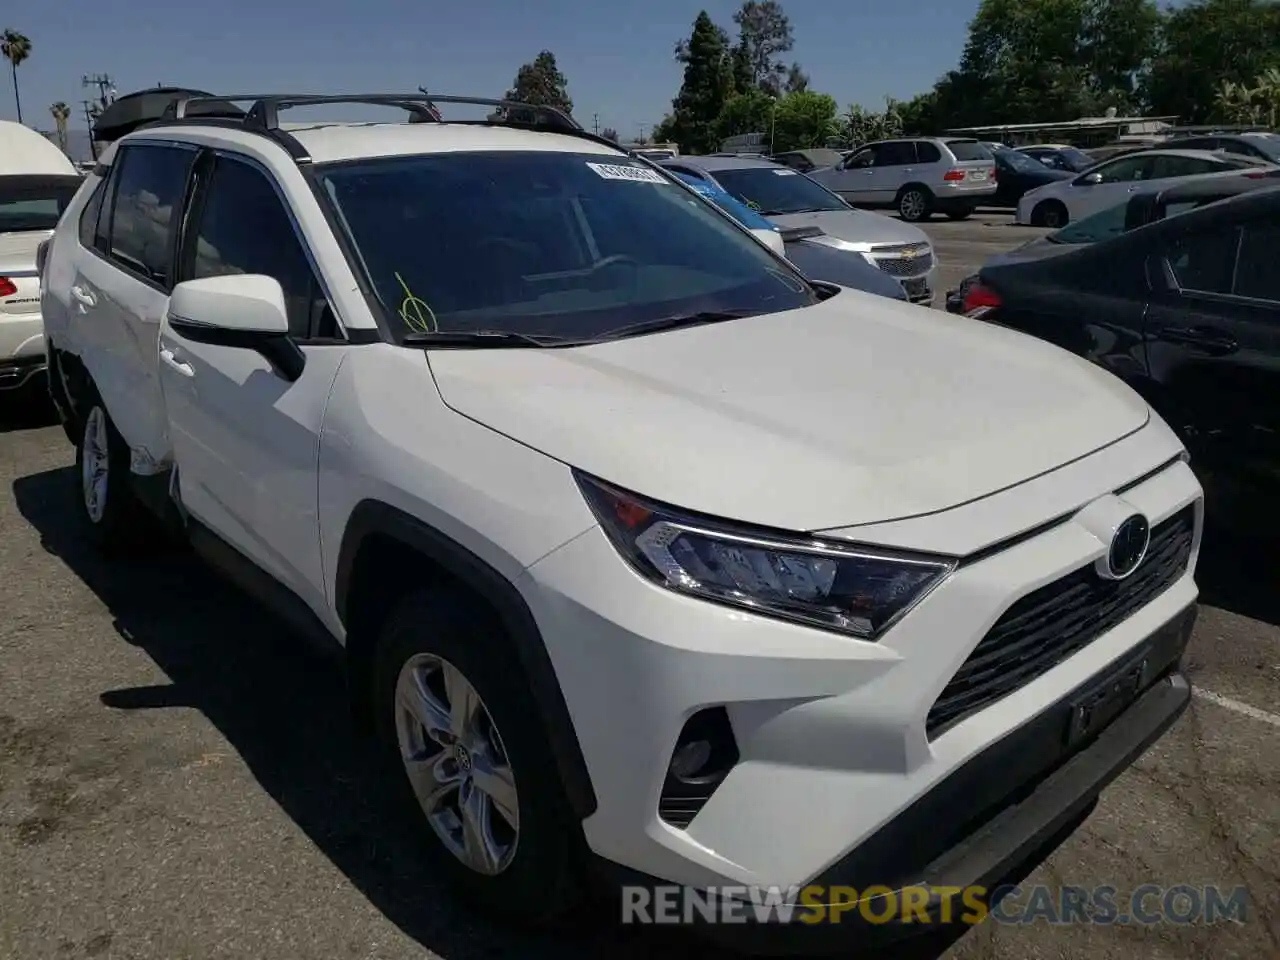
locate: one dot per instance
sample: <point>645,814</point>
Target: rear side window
<point>928,152</point>
<point>1167,165</point>
<point>895,153</point>
<point>89,215</point>
<point>965,150</point>
<point>150,188</point>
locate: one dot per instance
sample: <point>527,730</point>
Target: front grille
<point>1048,625</point>
<point>890,258</point>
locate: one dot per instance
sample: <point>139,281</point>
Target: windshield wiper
<point>670,323</point>
<point>486,338</point>
<point>787,213</point>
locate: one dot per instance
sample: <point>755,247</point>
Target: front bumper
<point>831,731</point>
<point>985,827</point>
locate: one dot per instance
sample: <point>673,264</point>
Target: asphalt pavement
<point>177,779</point>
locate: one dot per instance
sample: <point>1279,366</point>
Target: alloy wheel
<point>95,464</point>
<point>912,205</point>
<point>457,764</point>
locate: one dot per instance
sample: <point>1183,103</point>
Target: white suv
<point>641,551</point>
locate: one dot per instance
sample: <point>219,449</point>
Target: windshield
<point>1019,161</point>
<point>966,150</point>
<point>551,244</point>
<point>1268,143</point>
<point>1100,226</point>
<point>776,191</point>
<point>729,204</point>
<point>34,202</point>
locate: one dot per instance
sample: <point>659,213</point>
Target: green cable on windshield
<point>411,310</point>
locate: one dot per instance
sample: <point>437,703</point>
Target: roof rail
<point>265,112</point>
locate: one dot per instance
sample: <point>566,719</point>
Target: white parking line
<point>1235,706</point>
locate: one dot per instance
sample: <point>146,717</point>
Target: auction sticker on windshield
<point>618,171</point>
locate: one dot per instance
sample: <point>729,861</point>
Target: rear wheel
<point>464,748</point>
<point>1049,213</point>
<point>914,204</point>
<point>112,515</point>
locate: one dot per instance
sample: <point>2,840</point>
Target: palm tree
<point>15,48</point>
<point>1268,91</point>
<point>61,112</point>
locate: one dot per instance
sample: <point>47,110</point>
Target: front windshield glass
<point>1019,161</point>
<point>1100,226</point>
<point>729,204</point>
<point>34,202</point>
<point>777,191</point>
<point>547,244</point>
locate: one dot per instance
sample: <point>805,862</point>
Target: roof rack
<point>264,115</point>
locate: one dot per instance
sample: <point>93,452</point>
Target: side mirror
<point>241,311</point>
<point>1090,180</point>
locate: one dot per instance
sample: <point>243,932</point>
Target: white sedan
<point>1113,181</point>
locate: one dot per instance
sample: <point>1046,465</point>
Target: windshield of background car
<point>34,202</point>
<point>1100,226</point>
<point>729,204</point>
<point>1019,161</point>
<point>551,244</point>
<point>1077,157</point>
<point>777,191</point>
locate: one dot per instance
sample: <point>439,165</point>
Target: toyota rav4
<point>646,557</point>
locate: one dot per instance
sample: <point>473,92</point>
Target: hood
<point>856,410</point>
<point>855,226</point>
<point>1037,249</point>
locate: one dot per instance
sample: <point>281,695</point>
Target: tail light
<point>980,297</point>
<point>953,175</point>
<point>7,287</point>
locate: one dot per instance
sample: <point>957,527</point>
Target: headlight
<point>834,586</point>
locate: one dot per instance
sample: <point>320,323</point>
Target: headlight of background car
<point>824,584</point>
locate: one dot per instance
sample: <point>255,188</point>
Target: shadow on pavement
<point>26,408</point>
<point>1240,573</point>
<point>283,709</point>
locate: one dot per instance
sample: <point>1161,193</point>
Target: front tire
<point>464,748</point>
<point>108,507</point>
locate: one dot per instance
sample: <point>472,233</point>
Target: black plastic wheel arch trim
<point>374,518</point>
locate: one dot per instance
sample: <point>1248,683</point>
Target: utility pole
<point>595,124</point>
<point>106,87</point>
<point>91,111</point>
<point>642,126</point>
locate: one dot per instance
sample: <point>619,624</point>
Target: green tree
<point>1205,44</point>
<point>61,114</point>
<point>708,83</point>
<point>16,48</point>
<point>747,112</point>
<point>764,31</point>
<point>740,64</point>
<point>797,79</point>
<point>609,134</point>
<point>542,84</point>
<point>804,120</point>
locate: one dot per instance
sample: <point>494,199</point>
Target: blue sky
<point>617,57</point>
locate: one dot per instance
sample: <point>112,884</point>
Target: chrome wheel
<point>95,463</point>
<point>912,205</point>
<point>457,764</point>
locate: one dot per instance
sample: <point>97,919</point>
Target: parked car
<point>807,161</point>
<point>37,181</point>
<point>1057,204</point>
<point>629,539</point>
<point>817,261</point>
<point>1138,211</point>
<point>1258,144</point>
<point>1185,310</point>
<point>793,200</point>
<point>1059,156</point>
<point>916,177</point>
<point>1017,173</point>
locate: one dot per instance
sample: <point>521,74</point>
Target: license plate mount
<point>1101,703</point>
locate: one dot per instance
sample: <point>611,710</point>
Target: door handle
<point>181,366</point>
<point>83,297</point>
<point>1205,339</point>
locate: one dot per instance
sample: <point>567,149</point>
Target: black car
<point>1016,173</point>
<point>1069,159</point>
<point>1186,310</point>
<point>1140,210</point>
